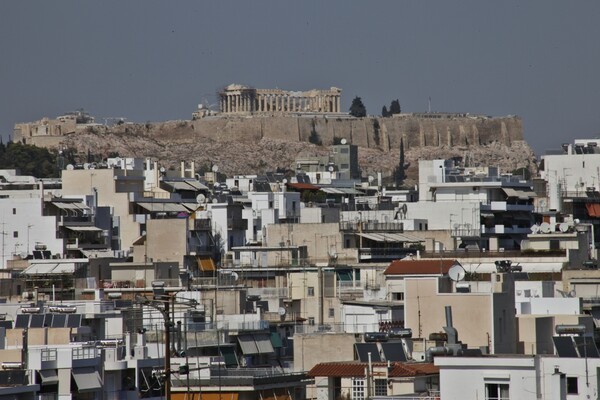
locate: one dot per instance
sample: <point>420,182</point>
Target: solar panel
<point>393,351</point>
<point>37,321</point>
<point>363,350</point>
<point>59,320</point>
<point>564,346</point>
<point>587,347</point>
<point>37,255</point>
<point>22,321</point>
<point>74,321</point>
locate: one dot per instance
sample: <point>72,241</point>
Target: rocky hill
<point>254,145</point>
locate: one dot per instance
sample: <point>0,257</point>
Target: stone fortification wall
<point>377,133</point>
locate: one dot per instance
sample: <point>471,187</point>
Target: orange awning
<point>206,264</point>
<point>593,209</point>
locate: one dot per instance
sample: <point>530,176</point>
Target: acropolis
<point>239,99</point>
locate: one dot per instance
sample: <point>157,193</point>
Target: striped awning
<point>391,237</point>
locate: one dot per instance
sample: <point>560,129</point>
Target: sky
<point>151,60</point>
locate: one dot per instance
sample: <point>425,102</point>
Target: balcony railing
<point>371,226</point>
<point>203,224</point>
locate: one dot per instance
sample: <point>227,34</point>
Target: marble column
<point>337,107</point>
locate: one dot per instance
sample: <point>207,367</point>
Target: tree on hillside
<point>29,159</point>
<point>357,108</point>
<point>400,173</point>
<point>395,107</point>
<point>384,112</point>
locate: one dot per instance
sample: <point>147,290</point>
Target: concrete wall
<point>314,348</point>
<point>425,312</point>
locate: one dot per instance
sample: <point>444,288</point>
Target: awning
<point>206,264</point>
<point>186,185</point>
<point>229,357</point>
<point>163,207</point>
<point>71,205</point>
<point>276,340</point>
<point>87,379</point>
<point>593,209</point>
<point>248,344</point>
<point>49,268</point>
<point>342,191</point>
<point>344,275</point>
<point>596,316</point>
<point>522,194</point>
<point>84,228</point>
<point>263,343</point>
<point>49,376</point>
<point>391,237</point>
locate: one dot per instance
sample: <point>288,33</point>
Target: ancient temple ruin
<point>239,99</point>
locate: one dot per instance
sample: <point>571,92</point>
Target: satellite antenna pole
<point>429,105</point>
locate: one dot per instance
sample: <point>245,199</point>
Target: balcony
<point>202,224</point>
<point>371,226</point>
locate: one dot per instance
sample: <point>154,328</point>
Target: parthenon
<point>239,99</point>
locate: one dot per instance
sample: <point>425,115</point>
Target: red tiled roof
<point>355,369</point>
<point>419,267</point>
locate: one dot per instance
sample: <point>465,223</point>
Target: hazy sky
<point>156,60</point>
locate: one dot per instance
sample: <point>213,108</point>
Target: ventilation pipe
<point>449,328</point>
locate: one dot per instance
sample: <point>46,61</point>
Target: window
<point>270,203</point>
<point>16,234</point>
<point>496,391</point>
<point>358,388</point>
<point>14,211</point>
<point>398,296</point>
<point>381,387</point>
<point>311,291</point>
<point>344,150</point>
<point>572,385</point>
<point>311,320</point>
<point>331,312</point>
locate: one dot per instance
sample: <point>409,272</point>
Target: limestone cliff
<point>256,144</point>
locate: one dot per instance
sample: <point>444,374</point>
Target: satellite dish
<point>572,293</point>
<point>281,311</point>
<point>535,228</point>
<point>215,168</point>
<point>371,178</point>
<point>234,275</point>
<point>86,166</point>
<point>456,226</point>
<point>23,255</point>
<point>217,185</point>
<point>563,227</point>
<point>201,199</point>
<point>284,181</point>
<point>331,168</point>
<point>545,227</point>
<point>70,167</point>
<point>215,200</point>
<point>343,141</point>
<point>162,170</point>
<point>456,272</point>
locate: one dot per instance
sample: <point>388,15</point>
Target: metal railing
<point>85,353</point>
<point>371,226</point>
<point>49,355</point>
